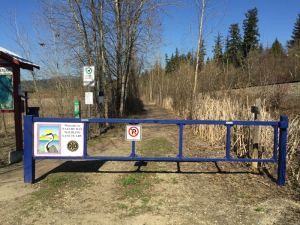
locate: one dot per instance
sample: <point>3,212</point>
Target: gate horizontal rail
<point>279,147</point>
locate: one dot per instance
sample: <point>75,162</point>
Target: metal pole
<point>275,142</point>
<point>180,140</point>
<point>283,125</point>
<point>85,127</point>
<point>228,141</point>
<point>29,162</point>
<point>133,149</point>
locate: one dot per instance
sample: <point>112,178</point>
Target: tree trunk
<point>118,53</point>
<point>198,55</point>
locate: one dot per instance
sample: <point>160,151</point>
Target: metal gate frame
<point>279,148</point>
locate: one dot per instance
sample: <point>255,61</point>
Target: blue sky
<point>179,22</point>
<point>180,26</point>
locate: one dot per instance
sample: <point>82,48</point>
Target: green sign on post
<point>76,108</point>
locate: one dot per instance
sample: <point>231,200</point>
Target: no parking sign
<point>133,132</point>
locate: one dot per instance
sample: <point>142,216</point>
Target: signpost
<point>89,76</point>
<point>89,81</point>
<point>89,98</point>
<point>133,132</point>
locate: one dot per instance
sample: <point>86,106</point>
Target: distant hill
<point>51,83</point>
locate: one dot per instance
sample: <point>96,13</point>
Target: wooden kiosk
<point>10,93</point>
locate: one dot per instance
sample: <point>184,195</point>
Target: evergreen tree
<point>172,64</point>
<point>277,49</point>
<point>251,35</point>
<point>296,34</point>
<point>226,44</point>
<point>234,45</point>
<point>189,57</point>
<point>207,60</point>
<point>218,49</point>
<point>261,48</point>
<point>166,58</point>
<point>225,55</point>
<point>176,53</point>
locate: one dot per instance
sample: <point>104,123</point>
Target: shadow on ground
<point>95,167</point>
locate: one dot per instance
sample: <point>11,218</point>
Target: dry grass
<point>227,108</point>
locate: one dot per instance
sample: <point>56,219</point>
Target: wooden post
<point>17,108</point>
<point>255,133</point>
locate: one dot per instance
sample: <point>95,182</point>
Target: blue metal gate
<point>279,147</point>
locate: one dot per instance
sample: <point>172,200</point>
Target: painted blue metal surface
<point>157,121</point>
<point>29,162</point>
<point>282,150</point>
<point>180,148</point>
<point>228,137</point>
<point>159,159</point>
<point>275,142</point>
<point>86,134</point>
<point>281,126</point>
<point>133,149</point>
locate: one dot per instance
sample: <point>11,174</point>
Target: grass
<point>174,180</point>
<point>135,189</point>
<point>53,188</point>
<point>50,192</point>
<point>156,147</point>
<point>135,194</point>
<point>259,209</point>
<point>135,185</point>
<point>56,184</point>
<point>116,132</point>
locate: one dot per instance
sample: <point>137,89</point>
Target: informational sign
<point>89,98</point>
<point>133,132</point>
<point>89,76</point>
<point>58,139</point>
<point>6,88</point>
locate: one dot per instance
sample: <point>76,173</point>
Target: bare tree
<point>200,40</point>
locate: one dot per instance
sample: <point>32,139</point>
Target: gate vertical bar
<point>275,142</point>
<point>228,134</point>
<point>133,149</point>
<point>85,140</point>
<point>180,140</point>
<point>29,162</point>
<point>283,125</point>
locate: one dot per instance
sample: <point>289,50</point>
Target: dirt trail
<point>123,193</point>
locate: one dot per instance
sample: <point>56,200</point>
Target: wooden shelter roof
<point>16,59</point>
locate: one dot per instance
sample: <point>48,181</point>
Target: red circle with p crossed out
<point>133,131</point>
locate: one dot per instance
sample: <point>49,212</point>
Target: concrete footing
<point>15,157</point>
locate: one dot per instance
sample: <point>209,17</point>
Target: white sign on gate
<point>89,76</point>
<point>58,139</point>
<point>133,132</point>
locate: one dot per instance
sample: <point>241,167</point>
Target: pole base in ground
<point>15,157</point>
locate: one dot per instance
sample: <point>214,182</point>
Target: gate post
<point>29,162</point>
<point>283,125</point>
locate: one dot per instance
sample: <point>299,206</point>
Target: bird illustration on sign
<point>49,139</point>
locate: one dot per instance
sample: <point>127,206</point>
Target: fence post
<point>29,162</point>
<point>283,125</point>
